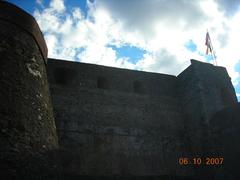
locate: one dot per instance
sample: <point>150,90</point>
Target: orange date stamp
<point>208,161</point>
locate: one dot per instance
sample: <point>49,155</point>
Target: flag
<point>208,43</point>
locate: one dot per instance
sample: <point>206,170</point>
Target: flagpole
<point>212,52</point>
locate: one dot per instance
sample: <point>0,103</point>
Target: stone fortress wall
<point>110,122</point>
<point>120,118</point>
<point>136,122</point>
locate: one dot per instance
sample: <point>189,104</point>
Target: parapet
<point>22,19</point>
<point>67,74</point>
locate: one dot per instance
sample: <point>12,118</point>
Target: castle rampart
<point>110,122</point>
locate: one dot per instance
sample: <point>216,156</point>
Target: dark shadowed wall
<point>120,121</point>
<point>124,122</point>
<point>111,123</point>
<point>26,116</point>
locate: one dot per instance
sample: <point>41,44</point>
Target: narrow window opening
<point>64,76</point>
<point>102,83</point>
<point>138,87</point>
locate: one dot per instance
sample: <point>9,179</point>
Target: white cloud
<point>73,37</point>
<point>57,5</point>
<point>160,28</point>
<point>40,2</point>
<point>48,20</point>
<point>229,7</point>
<point>52,42</point>
<point>143,15</point>
<point>77,14</point>
<point>238,96</point>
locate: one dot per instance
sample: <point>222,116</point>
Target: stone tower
<point>204,90</point>
<point>26,118</point>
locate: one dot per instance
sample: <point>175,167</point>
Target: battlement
<point>82,75</point>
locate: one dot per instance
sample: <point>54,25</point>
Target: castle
<point>90,121</point>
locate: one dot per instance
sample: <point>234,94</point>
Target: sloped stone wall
<point>27,126</point>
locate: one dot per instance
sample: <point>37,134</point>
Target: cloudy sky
<point>150,35</point>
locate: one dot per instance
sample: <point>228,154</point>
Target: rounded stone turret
<point>26,117</point>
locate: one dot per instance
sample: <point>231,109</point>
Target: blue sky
<point>143,35</point>
<point>191,46</point>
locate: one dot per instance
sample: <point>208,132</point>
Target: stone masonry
<point>71,120</point>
